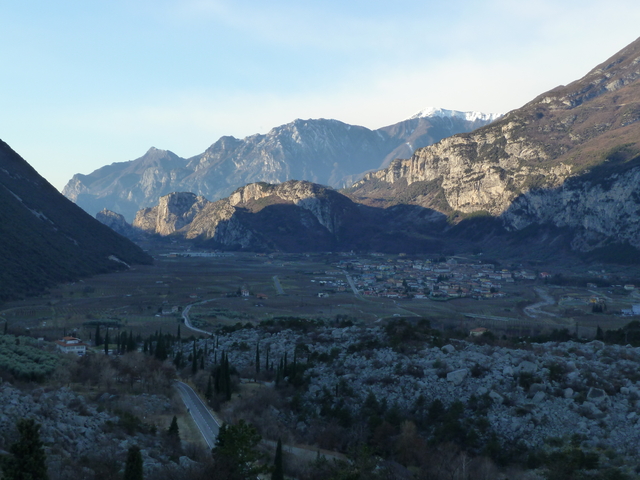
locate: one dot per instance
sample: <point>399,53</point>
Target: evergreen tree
<point>258,357</point>
<point>599,333</point>
<point>161,349</point>
<point>174,431</point>
<point>131,343</point>
<point>177,360</point>
<point>133,467</point>
<point>106,343</point>
<point>236,455</point>
<point>118,351</point>
<point>208,394</point>
<point>178,335</point>
<point>194,363</point>
<point>266,362</point>
<point>278,471</point>
<point>6,327</point>
<point>98,341</point>
<point>27,459</point>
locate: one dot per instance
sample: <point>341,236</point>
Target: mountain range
<point>562,172</point>
<point>327,152</point>
<point>46,239</point>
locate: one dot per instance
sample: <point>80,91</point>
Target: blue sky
<point>87,83</point>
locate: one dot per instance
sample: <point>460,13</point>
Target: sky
<point>86,83</point>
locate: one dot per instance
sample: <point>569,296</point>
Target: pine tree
<point>278,470</point>
<point>133,467</point>
<point>28,459</point>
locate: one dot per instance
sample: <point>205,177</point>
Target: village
<point>435,279</point>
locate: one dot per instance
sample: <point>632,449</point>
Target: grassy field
<point>149,298</point>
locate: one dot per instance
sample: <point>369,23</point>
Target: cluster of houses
<point>403,278</point>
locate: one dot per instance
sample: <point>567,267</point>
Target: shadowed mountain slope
<point>45,238</point>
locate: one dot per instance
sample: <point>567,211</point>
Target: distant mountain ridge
<point>327,152</point>
<point>45,238</point>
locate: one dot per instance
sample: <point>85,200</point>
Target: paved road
<point>187,321</point>
<point>206,422</point>
<point>276,282</point>
<point>352,284</point>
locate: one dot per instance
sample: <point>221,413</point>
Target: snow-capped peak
<point>444,113</point>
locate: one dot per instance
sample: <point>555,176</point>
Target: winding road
<point>206,422</point>
<point>187,321</point>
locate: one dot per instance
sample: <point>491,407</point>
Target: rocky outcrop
<point>254,216</point>
<point>173,212</point>
<point>328,152</point>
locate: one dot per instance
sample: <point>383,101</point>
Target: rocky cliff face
<point>173,212</point>
<point>328,152</point>
<point>568,158</point>
<point>244,218</point>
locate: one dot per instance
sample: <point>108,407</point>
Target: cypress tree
<point>131,343</point>
<point>106,343</point>
<point>98,341</point>
<point>208,394</point>
<point>284,367</point>
<point>194,364</point>
<point>6,326</point>
<point>258,357</point>
<point>266,362</point>
<point>178,333</point>
<point>201,362</point>
<point>28,459</point>
<point>161,349</point>
<point>118,351</point>
<point>133,467</point>
<point>278,470</point>
<point>173,431</point>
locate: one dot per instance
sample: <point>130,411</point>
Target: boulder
<point>496,397</point>
<point>538,397</point>
<point>597,396</point>
<point>527,367</point>
<point>448,349</point>
<point>457,376</point>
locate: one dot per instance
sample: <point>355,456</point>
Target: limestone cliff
<point>173,212</point>
<point>568,158</point>
<point>257,216</point>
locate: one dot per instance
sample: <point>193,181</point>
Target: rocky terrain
<point>81,437</point>
<point>533,393</point>
<point>564,159</point>
<point>322,151</point>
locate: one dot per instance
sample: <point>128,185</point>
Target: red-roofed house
<point>71,345</point>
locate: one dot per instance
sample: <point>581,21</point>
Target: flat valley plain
<point>146,299</point>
